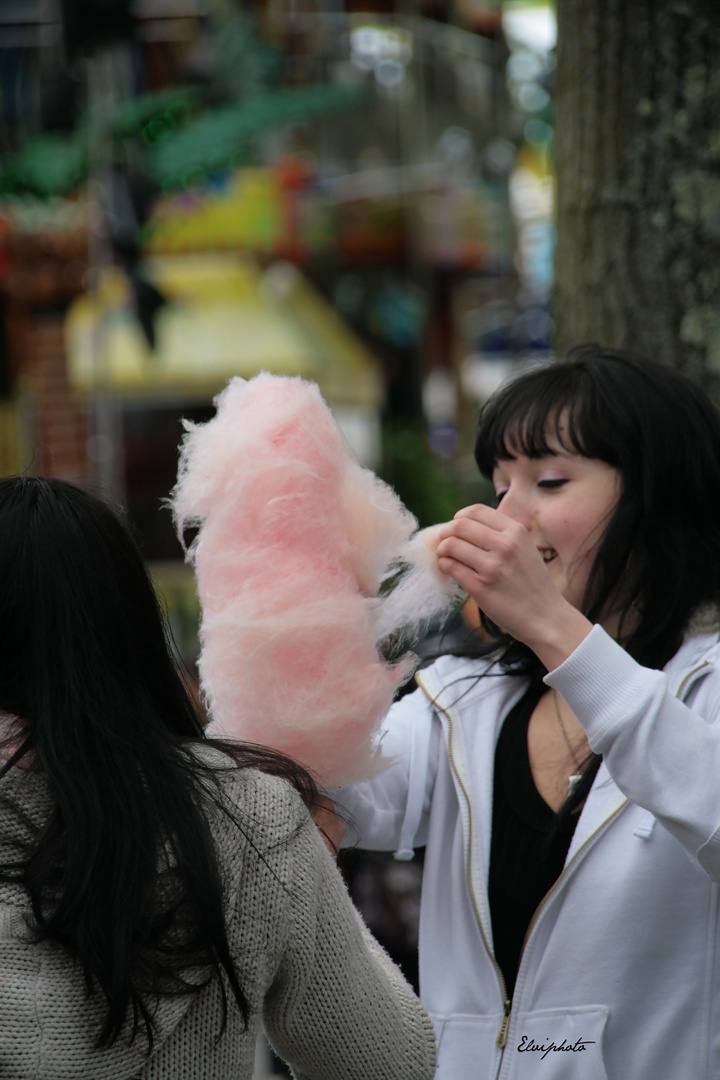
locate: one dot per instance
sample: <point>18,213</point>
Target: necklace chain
<point>576,777</point>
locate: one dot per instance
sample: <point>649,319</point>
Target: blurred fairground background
<point>366,193</point>
<point>196,189</point>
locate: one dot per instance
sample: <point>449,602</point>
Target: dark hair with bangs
<point>659,556</point>
<point>124,873</point>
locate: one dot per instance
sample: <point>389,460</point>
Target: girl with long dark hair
<point>160,895</point>
<point>564,775</point>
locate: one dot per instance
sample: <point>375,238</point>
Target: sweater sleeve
<point>338,1008</point>
<point>662,755</point>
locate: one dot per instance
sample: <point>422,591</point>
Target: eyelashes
<point>554,483</point>
<point>551,483</point>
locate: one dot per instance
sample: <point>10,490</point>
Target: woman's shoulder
<point>272,797</point>
<point>242,795</point>
<point>253,781</point>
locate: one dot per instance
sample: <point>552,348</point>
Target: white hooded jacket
<point>620,971</point>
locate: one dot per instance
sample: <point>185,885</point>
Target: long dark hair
<point>659,556</point>
<point>123,873</point>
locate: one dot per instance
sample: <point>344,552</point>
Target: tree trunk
<point>637,123</point>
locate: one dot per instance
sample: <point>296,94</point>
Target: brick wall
<point>40,276</point>
<point>55,418</point>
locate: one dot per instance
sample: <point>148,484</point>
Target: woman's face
<point>565,502</point>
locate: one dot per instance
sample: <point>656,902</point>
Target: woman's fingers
<point>486,514</point>
<point>465,576</point>
<point>479,514</point>
<point>479,532</point>
<point>495,560</point>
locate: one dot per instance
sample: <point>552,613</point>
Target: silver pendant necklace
<point>575,778</point>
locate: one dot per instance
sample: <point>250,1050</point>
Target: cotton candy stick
<point>294,540</point>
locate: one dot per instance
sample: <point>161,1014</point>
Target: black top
<point>529,841</point>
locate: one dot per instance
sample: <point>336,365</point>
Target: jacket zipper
<point>505,1025</point>
<point>563,872</point>
<point>501,1037</point>
<point>502,1033</point>
<point>686,678</point>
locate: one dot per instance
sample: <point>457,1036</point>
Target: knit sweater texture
<point>332,1003</point>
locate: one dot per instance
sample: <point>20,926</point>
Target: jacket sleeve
<point>338,1008</point>
<point>390,811</point>
<point>662,755</point>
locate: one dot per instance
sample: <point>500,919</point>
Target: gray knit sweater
<point>332,1003</point>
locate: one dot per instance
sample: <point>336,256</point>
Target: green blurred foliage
<point>46,166</point>
<point>225,137</point>
<point>182,135</point>
<point>429,485</point>
<point>170,108</point>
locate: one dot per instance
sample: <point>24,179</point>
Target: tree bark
<point>637,128</point>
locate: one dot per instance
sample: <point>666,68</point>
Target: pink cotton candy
<point>294,540</point>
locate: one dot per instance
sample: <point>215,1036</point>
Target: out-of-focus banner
<point>222,316</point>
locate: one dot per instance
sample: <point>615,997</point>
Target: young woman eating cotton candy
<point>565,780</point>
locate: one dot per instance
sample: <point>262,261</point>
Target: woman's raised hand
<point>493,557</point>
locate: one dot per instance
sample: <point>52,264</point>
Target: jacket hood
<point>704,620</point>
